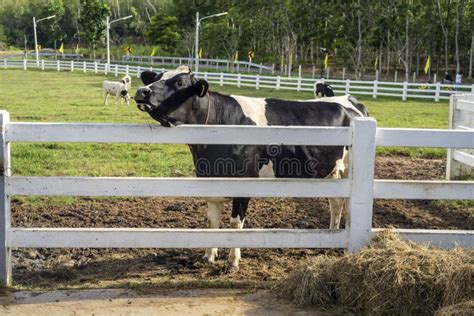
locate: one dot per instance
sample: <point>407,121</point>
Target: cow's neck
<point>219,109</point>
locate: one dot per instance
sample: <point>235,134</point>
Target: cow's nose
<point>142,93</point>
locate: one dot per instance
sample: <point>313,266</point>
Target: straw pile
<point>389,276</point>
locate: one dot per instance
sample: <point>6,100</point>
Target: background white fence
<point>460,162</point>
<point>403,90</point>
<point>360,189</point>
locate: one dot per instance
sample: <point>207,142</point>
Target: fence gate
<point>460,162</point>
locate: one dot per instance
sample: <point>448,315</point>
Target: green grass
<point>37,96</point>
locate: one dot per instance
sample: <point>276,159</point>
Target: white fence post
<point>205,75</point>
<point>126,70</point>
<point>343,73</point>
<point>72,65</point>
<point>58,65</point>
<point>348,86</point>
<point>278,82</point>
<point>95,67</point>
<point>257,82</point>
<point>374,95</point>
<point>395,76</point>
<point>404,93</point>
<point>25,67</point>
<point>116,70</point>
<point>42,64</point>
<point>238,80</point>
<point>5,217</point>
<point>438,89</point>
<point>138,71</point>
<point>84,66</point>
<point>221,79</point>
<point>362,155</point>
<point>106,68</point>
<point>472,88</point>
<point>5,64</point>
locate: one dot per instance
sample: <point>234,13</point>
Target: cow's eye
<point>179,83</point>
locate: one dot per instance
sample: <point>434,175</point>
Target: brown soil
<point>53,268</point>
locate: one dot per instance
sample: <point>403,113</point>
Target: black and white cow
<point>175,98</point>
<point>322,89</point>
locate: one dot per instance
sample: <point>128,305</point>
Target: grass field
<point>38,96</point>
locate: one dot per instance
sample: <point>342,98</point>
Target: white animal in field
<point>119,89</point>
<point>128,81</point>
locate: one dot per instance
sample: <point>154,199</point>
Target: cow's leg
<point>214,212</point>
<point>336,205</point>
<point>239,208</point>
<point>106,95</point>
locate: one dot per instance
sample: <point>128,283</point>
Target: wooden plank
<point>464,158</point>
<point>438,238</point>
<point>5,212</point>
<point>175,238</point>
<point>196,187</point>
<point>424,190</point>
<point>465,105</point>
<point>361,199</point>
<point>411,137</point>
<point>189,134</point>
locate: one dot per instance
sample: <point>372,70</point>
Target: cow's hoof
<point>209,259</point>
<point>231,268</point>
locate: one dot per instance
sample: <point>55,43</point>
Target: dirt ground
<point>161,302</point>
<point>183,268</point>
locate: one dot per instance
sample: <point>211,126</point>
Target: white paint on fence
<point>460,162</point>
<point>433,91</point>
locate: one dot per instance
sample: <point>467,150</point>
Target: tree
<point>92,20</point>
<point>163,31</point>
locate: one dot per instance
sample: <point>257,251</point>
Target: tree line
<point>361,35</point>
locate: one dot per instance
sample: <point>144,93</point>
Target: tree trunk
<point>388,52</point>
<point>470,57</point>
<point>459,7</point>
<point>407,48</point>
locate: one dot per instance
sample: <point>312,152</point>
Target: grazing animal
<point>127,80</point>
<point>322,89</point>
<point>175,98</point>
<point>119,89</point>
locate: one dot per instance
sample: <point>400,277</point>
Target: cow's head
<point>173,97</point>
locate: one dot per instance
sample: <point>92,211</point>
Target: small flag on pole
<point>38,47</point>
<point>236,56</point>
<point>427,65</point>
<point>200,52</point>
<point>153,52</point>
<point>326,61</point>
<point>376,62</point>
<point>61,48</point>
<point>76,50</point>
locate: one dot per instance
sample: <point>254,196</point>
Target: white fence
<point>403,90</point>
<point>360,189</point>
<point>217,64</point>
<point>460,162</point>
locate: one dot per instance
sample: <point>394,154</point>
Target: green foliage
<point>92,20</point>
<point>163,31</point>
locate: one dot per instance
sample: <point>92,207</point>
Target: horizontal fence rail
<point>403,90</point>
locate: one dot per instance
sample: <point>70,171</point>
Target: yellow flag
<point>200,52</point>
<point>376,62</point>
<point>236,56</point>
<point>153,52</point>
<point>76,50</point>
<point>427,65</point>
<point>61,48</point>
<point>38,47</point>
<point>326,61</point>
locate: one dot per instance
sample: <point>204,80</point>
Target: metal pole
<point>36,42</point>
<point>196,48</point>
<point>108,41</point>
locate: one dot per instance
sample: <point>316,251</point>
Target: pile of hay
<point>389,276</point>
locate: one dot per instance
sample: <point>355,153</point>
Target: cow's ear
<point>148,77</point>
<point>200,88</point>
